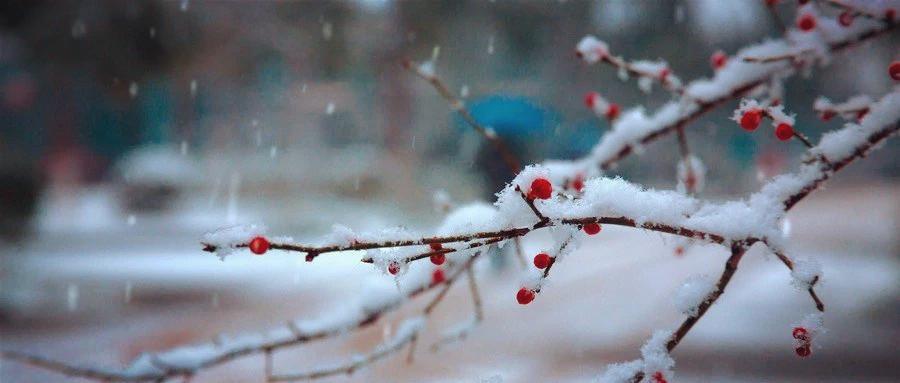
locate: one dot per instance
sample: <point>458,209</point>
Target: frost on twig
<point>694,292</point>
<point>469,230</point>
<point>406,332</point>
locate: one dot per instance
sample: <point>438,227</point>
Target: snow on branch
<point>406,333</point>
<point>854,109</point>
<point>733,79</point>
<point>592,50</point>
<point>737,224</point>
<point>540,198</point>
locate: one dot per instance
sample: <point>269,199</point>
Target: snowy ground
<point>102,296</point>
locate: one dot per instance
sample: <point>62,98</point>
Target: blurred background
<point>129,128</point>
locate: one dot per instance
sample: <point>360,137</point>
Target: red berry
<point>771,2</point>
<point>894,70</point>
<point>663,74</point>
<point>438,259</point>
<point>259,245</point>
<point>540,189</point>
<point>525,296</point>
<point>784,131</point>
<point>845,18</point>
<point>718,59</point>
<point>590,99</point>
<point>542,260</point>
<point>435,246</point>
<point>591,228</point>
<point>612,111</point>
<point>659,378</point>
<point>437,276</point>
<point>890,14</point>
<point>800,333</point>
<point>393,268</point>
<point>803,351</point>
<point>827,115</point>
<point>578,183</point>
<point>806,22</point>
<point>751,119</point>
<point>862,113</point>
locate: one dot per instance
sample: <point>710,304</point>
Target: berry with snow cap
<point>542,260</point>
<point>541,188</point>
<point>612,111</point>
<point>578,182</point>
<point>806,22</point>
<point>718,59</point>
<point>784,131</point>
<point>751,119</point>
<point>259,245</point>
<point>591,228</point>
<point>524,296</point>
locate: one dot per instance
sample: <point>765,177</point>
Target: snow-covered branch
<point>570,200</point>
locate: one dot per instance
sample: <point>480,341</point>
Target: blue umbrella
<point>509,116</point>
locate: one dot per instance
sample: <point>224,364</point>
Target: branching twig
<point>811,290</point>
<point>458,105</point>
<point>394,345</point>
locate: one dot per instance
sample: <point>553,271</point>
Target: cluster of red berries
<point>658,377</point>
<point>592,99</point>
<point>259,245</point>
<point>750,121</point>
<point>718,60</point>
<point>803,338</point>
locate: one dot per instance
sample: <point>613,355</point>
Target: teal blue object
<point>576,140</point>
<point>743,148</point>
<point>157,111</point>
<point>509,116</point>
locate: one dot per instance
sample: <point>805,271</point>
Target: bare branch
<point>458,105</point>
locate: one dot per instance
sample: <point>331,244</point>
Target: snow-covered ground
<point>102,296</point>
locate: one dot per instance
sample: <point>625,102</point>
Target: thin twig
<point>458,105</point>
<point>811,290</point>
